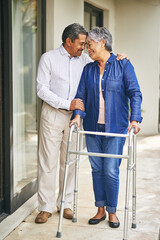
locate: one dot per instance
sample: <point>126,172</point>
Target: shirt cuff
<point>67,104</point>
<point>136,118</point>
<point>79,112</point>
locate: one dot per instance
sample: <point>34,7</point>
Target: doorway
<point>93,16</point>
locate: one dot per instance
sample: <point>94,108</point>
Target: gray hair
<point>98,33</point>
<point>72,31</point>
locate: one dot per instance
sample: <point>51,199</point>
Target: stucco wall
<point>61,13</point>
<point>137,34</point>
<point>135,29</point>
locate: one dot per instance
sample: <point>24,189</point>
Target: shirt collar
<point>110,60</point>
<point>63,51</point>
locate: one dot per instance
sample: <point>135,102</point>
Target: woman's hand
<point>135,125</point>
<point>76,120</point>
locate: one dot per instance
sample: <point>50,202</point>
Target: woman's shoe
<point>93,221</point>
<point>114,224</point>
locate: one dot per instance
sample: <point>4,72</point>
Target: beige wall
<point>49,24</point>
<point>61,13</point>
<point>135,29</point>
<point>137,34</point>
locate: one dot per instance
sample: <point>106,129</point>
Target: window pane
<point>87,20</point>
<point>93,16</point>
<point>94,19</point>
<point>24,92</point>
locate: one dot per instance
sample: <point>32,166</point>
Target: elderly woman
<point>106,87</point>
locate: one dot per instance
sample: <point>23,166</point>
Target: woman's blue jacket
<point>119,85</point>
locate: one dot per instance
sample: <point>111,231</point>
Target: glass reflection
<point>24,92</point>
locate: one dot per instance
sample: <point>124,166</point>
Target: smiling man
<point>58,77</point>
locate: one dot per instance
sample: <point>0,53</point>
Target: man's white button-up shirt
<point>58,77</point>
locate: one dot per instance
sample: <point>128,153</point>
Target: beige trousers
<point>54,129</point>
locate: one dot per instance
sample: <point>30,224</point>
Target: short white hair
<point>98,33</point>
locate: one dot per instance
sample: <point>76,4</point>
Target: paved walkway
<point>148,204</point>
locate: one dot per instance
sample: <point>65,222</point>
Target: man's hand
<point>77,104</point>
<point>75,120</point>
<point>135,125</point>
<point>121,56</point>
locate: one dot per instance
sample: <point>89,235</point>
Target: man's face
<point>78,46</point>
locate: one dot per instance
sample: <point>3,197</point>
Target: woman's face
<point>94,49</point>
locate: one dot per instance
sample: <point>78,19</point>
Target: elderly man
<point>58,77</point>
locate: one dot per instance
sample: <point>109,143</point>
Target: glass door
<point>1,159</point>
<point>23,37</point>
<point>24,56</point>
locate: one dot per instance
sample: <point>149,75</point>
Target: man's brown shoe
<point>68,213</point>
<point>42,217</point>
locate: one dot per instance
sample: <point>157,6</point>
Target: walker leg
<point>126,212</point>
<point>75,193</point>
<point>76,180</point>
<point>59,234</point>
<point>134,185</point>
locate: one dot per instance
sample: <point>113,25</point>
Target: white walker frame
<point>131,165</point>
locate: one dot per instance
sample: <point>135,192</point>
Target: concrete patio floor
<point>148,204</point>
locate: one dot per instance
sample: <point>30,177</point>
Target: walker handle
<point>131,133</point>
<point>72,128</point>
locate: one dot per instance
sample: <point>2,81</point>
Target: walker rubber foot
<point>59,235</point>
<point>74,219</point>
<point>134,225</point>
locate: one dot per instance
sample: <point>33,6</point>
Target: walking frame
<point>131,166</point>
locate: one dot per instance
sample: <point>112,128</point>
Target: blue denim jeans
<point>105,171</point>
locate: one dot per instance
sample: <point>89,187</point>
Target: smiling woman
<point>105,87</point>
